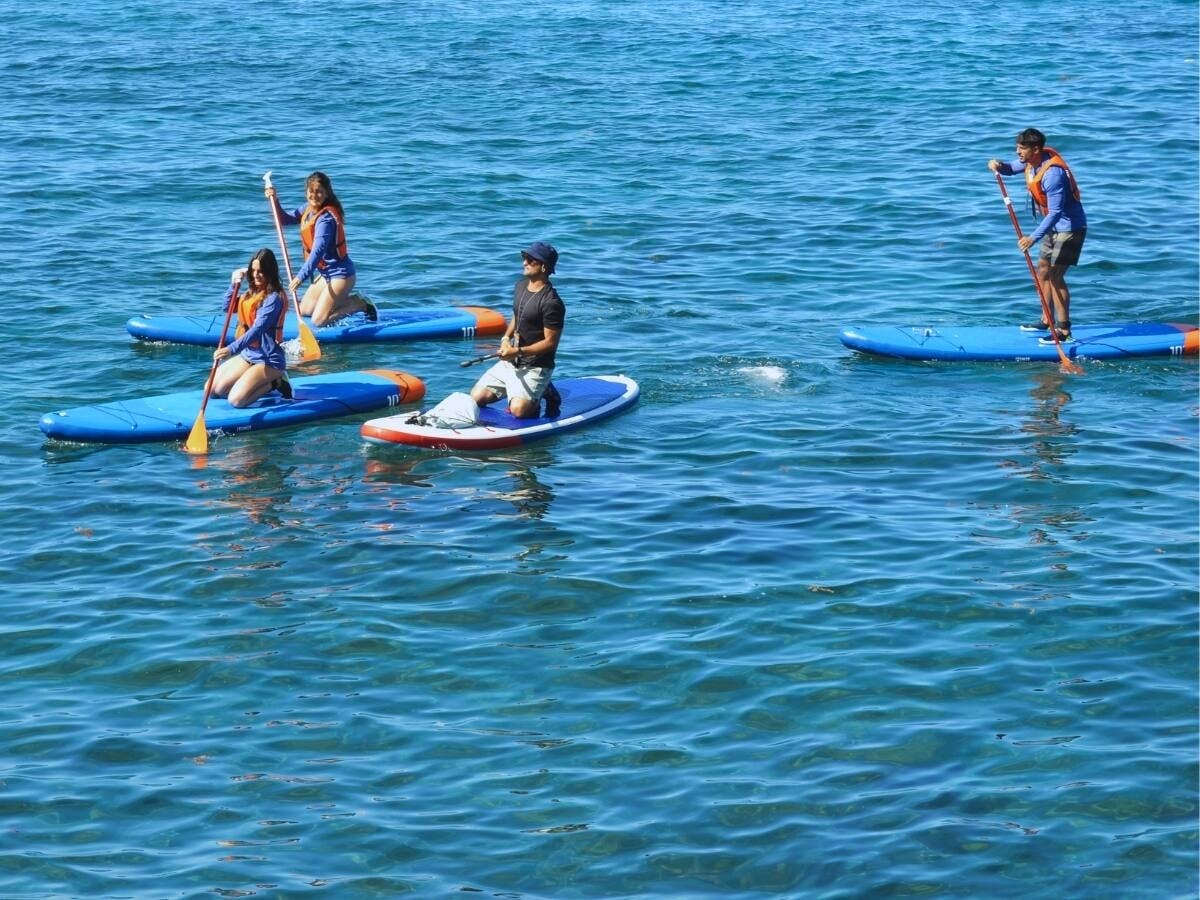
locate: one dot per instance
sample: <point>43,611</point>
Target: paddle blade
<point>310,350</point>
<point>197,441</point>
<point>1066,364</point>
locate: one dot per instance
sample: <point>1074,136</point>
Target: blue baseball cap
<point>543,253</point>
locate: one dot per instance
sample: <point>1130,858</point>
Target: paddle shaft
<point>306,336</point>
<point>1047,316</point>
<point>197,441</point>
<point>513,341</point>
<point>478,359</point>
<point>287,259</point>
<point>212,373</point>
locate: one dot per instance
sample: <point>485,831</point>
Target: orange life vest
<point>247,311</point>
<point>308,228</point>
<point>1033,179</point>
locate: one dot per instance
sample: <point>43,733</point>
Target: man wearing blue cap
<point>529,344</point>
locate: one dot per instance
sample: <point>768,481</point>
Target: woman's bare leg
<point>311,297</point>
<point>256,381</point>
<point>331,300</point>
<point>228,374</point>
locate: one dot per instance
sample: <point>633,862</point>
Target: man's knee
<point>522,408</point>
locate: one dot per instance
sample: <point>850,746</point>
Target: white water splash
<point>295,353</point>
<point>774,375</point>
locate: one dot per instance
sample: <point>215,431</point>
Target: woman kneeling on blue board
<point>327,259</point>
<point>254,362</point>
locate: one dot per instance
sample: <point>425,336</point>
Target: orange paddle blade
<point>197,441</point>
<point>1068,366</point>
<point>310,350</point>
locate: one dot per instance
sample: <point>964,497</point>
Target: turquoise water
<point>803,623</point>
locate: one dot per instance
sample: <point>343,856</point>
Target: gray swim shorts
<point>1062,248</point>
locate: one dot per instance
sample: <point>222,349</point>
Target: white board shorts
<point>505,380</point>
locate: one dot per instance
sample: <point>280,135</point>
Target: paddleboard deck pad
<point>1122,340</point>
<point>169,417</point>
<point>584,401</point>
<point>393,325</point>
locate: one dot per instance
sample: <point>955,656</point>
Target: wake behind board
<point>584,401</point>
<point>1122,340</point>
<point>169,417</point>
<point>393,325</point>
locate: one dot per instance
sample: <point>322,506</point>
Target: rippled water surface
<point>803,623</point>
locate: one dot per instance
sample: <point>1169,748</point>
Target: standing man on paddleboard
<point>528,346</point>
<point>1062,228</point>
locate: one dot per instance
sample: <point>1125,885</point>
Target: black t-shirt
<point>534,311</point>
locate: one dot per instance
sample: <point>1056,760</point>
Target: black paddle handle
<point>478,359</point>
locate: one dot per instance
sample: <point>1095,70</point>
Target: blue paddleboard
<point>393,325</point>
<point>584,401</point>
<point>1008,342</point>
<point>169,417</point>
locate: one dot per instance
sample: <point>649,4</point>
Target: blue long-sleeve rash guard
<point>324,247</point>
<point>1064,212</point>
<point>257,343</point>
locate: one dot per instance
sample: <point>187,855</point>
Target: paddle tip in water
<point>309,348</point>
<point>197,439</point>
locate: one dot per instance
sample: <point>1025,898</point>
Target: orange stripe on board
<point>487,321</point>
<point>1191,338</point>
<point>1191,342</point>
<point>411,387</point>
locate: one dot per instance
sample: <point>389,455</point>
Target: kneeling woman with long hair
<point>254,362</point>
<point>327,260</point>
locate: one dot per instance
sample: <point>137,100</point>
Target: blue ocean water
<point>803,623</point>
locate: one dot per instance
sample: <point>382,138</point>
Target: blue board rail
<point>169,417</point>
<point>995,343</point>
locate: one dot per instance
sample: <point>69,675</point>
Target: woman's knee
<point>243,394</point>
<point>324,308</point>
<point>312,298</point>
<point>227,378</point>
<point>235,395</point>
